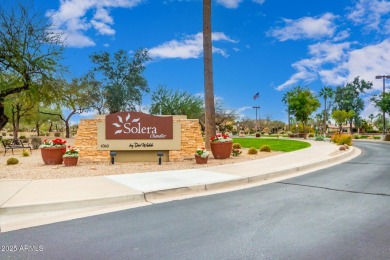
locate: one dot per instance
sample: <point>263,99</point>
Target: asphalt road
<point>342,212</point>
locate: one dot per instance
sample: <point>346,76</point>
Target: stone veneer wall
<point>86,141</point>
<point>191,138</point>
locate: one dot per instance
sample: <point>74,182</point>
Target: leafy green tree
<point>18,106</point>
<point>97,94</point>
<point>167,102</point>
<point>371,117</point>
<point>342,116</point>
<point>30,52</point>
<point>382,102</point>
<point>247,123</point>
<point>286,101</point>
<point>122,78</point>
<point>326,93</point>
<point>277,126</point>
<point>222,117</point>
<point>348,98</point>
<point>378,122</point>
<point>366,126</point>
<point>302,104</point>
<point>318,122</point>
<point>75,97</point>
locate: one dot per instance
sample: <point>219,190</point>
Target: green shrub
<point>12,161</point>
<point>56,134</point>
<point>22,137</point>
<point>265,148</point>
<point>3,134</point>
<point>342,139</point>
<point>36,142</point>
<point>356,136</point>
<point>377,137</point>
<point>319,138</point>
<point>237,146</point>
<point>310,135</point>
<point>252,150</point>
<point>25,153</point>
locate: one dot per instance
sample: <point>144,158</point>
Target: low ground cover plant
<point>237,146</point>
<point>265,148</point>
<point>12,161</point>
<point>252,150</point>
<point>319,138</point>
<point>25,153</point>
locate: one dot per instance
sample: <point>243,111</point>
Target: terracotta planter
<point>221,150</point>
<point>200,160</point>
<point>52,155</point>
<point>70,161</point>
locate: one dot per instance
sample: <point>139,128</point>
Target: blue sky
<point>266,46</point>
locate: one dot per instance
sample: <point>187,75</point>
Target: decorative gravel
<point>33,167</point>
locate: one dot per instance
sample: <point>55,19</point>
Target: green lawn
<point>274,144</point>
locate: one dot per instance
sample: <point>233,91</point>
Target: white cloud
<point>371,14</point>
<point>306,28</point>
<point>72,20</point>
<point>240,111</point>
<point>368,62</point>
<point>191,47</point>
<point>303,74</point>
<point>322,54</point>
<point>337,63</point>
<point>101,22</point>
<point>229,3</point>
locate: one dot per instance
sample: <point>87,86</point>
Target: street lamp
<point>384,77</point>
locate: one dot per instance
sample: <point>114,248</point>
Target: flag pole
<point>256,107</point>
<point>257,95</point>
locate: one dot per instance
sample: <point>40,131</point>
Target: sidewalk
<point>25,203</point>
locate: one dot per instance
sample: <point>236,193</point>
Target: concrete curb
<point>16,217</point>
<point>69,205</point>
<point>149,196</point>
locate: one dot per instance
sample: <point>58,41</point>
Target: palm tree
<point>286,101</point>
<point>371,117</point>
<point>208,74</point>
<point>326,93</point>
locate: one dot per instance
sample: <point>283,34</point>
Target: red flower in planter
<point>220,138</point>
<point>58,142</point>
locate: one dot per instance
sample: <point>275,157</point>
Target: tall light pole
<point>384,77</point>
<point>256,117</point>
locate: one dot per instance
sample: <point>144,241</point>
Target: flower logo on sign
<point>124,123</point>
